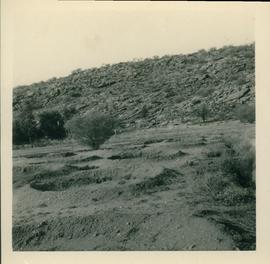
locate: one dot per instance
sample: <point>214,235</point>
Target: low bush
<point>224,191</point>
<point>93,129</point>
<point>233,181</point>
<point>245,113</point>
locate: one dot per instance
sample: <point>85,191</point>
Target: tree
<point>144,111</point>
<point>93,129</point>
<point>25,129</point>
<point>203,111</point>
<point>52,125</point>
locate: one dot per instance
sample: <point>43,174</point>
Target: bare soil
<point>143,190</point>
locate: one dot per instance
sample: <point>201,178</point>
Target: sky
<point>52,38</point>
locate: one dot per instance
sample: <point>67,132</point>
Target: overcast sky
<point>52,38</point>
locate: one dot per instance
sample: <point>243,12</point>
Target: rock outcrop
<point>152,91</point>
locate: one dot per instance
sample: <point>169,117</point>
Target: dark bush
<point>93,129</point>
<point>19,135</point>
<point>25,129</point>
<point>246,113</point>
<point>144,111</point>
<point>52,125</point>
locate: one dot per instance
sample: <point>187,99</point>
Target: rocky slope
<point>152,91</point>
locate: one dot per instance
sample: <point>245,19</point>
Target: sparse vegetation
<point>239,161</point>
<point>142,179</point>
<point>159,82</point>
<point>236,172</point>
<point>232,185</point>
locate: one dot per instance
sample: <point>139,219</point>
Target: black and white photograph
<point>134,130</point>
<point>133,127</point>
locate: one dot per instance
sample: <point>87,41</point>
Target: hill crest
<point>154,91</point>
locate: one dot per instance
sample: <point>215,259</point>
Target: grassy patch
<point>232,186</point>
<point>239,161</point>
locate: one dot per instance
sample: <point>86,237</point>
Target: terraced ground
<point>149,189</point>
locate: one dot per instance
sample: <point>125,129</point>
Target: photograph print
<point>133,127</point>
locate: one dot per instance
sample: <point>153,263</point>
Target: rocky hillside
<point>152,91</point>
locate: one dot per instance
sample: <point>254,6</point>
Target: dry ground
<point>143,190</point>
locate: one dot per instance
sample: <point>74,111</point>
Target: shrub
<point>52,125</point>
<point>93,129</point>
<point>203,111</point>
<point>239,161</point>
<point>226,192</point>
<point>144,111</point>
<point>246,113</point>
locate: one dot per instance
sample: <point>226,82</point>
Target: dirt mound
<point>63,183</point>
<point>126,155</point>
<point>176,155</point>
<point>152,141</point>
<point>28,174</point>
<point>91,158</point>
<point>157,183</point>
